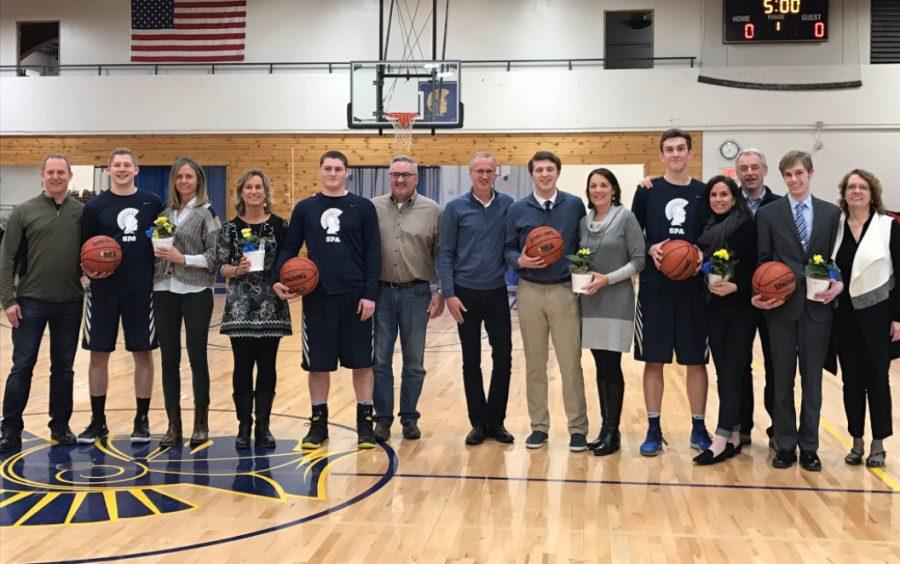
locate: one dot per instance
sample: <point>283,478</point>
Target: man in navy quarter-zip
<point>473,280</point>
<point>40,285</point>
<point>548,308</point>
<point>341,233</point>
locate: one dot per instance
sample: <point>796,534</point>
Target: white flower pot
<point>816,285</point>
<point>257,259</point>
<point>714,279</point>
<point>162,243</point>
<point>579,281</point>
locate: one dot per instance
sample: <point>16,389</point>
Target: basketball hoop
<point>403,126</point>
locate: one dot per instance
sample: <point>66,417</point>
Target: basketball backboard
<point>431,89</point>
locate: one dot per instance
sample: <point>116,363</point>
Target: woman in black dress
<point>867,320</point>
<point>254,317</point>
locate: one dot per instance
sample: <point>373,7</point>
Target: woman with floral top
<point>254,317</point>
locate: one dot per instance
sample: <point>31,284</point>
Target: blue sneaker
<point>700,439</point>
<point>653,443</point>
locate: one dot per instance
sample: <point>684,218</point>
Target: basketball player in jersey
<point>341,233</point>
<point>671,316</point>
<point>124,213</point>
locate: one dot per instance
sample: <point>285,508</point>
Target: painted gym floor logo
<point>113,480</point>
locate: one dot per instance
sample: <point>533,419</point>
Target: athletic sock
<point>98,408</point>
<point>653,420</point>
<point>318,403</point>
<point>143,406</point>
<point>698,422</point>
<point>366,402</point>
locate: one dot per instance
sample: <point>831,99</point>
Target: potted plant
<point>580,265</point>
<point>819,274</point>
<point>161,233</point>
<point>254,248</point>
<point>720,266</point>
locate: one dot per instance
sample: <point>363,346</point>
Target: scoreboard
<point>761,21</point>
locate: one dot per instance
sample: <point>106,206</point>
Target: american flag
<point>202,31</point>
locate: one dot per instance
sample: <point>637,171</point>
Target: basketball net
<point>403,127</point>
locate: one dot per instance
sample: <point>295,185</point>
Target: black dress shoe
<point>411,431</point>
<point>476,436</point>
<point>707,457</point>
<point>63,435</point>
<point>784,459</point>
<point>809,461</point>
<point>500,434</point>
<point>10,441</point>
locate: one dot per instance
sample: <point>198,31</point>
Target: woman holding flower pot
<point>254,317</point>
<point>183,276</point>
<point>867,320</point>
<point>729,240</point>
<point>612,252</point>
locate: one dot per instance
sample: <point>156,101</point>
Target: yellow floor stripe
<point>142,497</point>
<point>203,446</point>
<point>76,503</point>
<point>11,500</point>
<point>37,507</point>
<point>880,473</point>
<point>111,506</point>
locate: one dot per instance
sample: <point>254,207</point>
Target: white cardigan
<point>872,276</point>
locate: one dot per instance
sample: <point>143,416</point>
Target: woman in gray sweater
<point>182,290</point>
<point>616,241</point>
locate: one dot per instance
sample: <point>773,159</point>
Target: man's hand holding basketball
<point>283,291</point>
<point>456,308</point>
<point>762,303</point>
<point>655,252</point>
<point>93,275</point>
<point>365,309</point>
<point>526,261</point>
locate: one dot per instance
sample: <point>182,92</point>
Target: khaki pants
<point>552,310</point>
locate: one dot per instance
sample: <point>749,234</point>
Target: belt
<point>402,284</point>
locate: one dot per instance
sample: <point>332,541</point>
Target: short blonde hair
<point>267,188</point>
<point>121,151</point>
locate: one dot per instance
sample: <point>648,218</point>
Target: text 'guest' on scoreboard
<point>768,21</point>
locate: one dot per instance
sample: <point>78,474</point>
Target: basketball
<point>774,280</point>
<point>301,275</point>
<point>545,243</point>
<point>101,254</point>
<point>679,259</point>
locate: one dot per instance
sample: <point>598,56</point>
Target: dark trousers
<point>610,386</point>
<point>196,310</point>
<point>490,307</point>
<point>64,319</point>
<point>807,341</point>
<point>731,334</point>
<point>748,403</point>
<point>249,352</point>
<point>863,379</point>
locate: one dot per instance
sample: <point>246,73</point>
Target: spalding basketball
<point>774,280</point>
<point>101,254</point>
<point>300,275</point>
<point>545,243</point>
<point>679,259</point>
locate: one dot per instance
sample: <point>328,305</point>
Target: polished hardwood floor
<point>435,499</point>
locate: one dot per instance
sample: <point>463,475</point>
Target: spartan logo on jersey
<point>128,223</point>
<point>331,223</point>
<point>112,480</point>
<point>677,215</point>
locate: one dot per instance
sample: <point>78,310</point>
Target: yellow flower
<point>155,234</point>
<point>160,221</point>
<point>817,259</point>
<point>585,252</point>
<point>245,232</point>
<point>722,254</point>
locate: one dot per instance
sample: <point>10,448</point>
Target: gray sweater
<point>196,235</point>
<point>617,244</point>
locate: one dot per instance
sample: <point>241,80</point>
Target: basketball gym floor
<point>435,499</point>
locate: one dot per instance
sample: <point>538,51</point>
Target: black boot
<point>201,425</point>
<point>612,395</point>
<point>602,392</point>
<point>264,438</point>
<point>243,405</point>
<point>610,442</point>
<point>173,435</point>
<point>318,428</point>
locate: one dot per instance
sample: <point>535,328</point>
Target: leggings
<point>196,310</point>
<point>247,351</point>
<point>610,385</point>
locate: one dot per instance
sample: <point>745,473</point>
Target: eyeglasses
<point>483,171</point>
<point>403,175</point>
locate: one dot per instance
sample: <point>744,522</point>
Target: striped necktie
<point>800,222</point>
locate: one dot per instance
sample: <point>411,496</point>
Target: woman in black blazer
<point>867,320</point>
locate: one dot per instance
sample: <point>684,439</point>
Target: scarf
<point>719,228</point>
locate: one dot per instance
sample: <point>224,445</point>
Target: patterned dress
<point>251,307</point>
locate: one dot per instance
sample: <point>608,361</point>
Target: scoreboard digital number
<point>761,21</point>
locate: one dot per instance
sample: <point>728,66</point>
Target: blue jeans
<point>406,310</point>
<point>64,319</point>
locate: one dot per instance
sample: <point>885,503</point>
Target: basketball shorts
<point>104,310</point>
<point>671,319</point>
<point>332,333</point>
